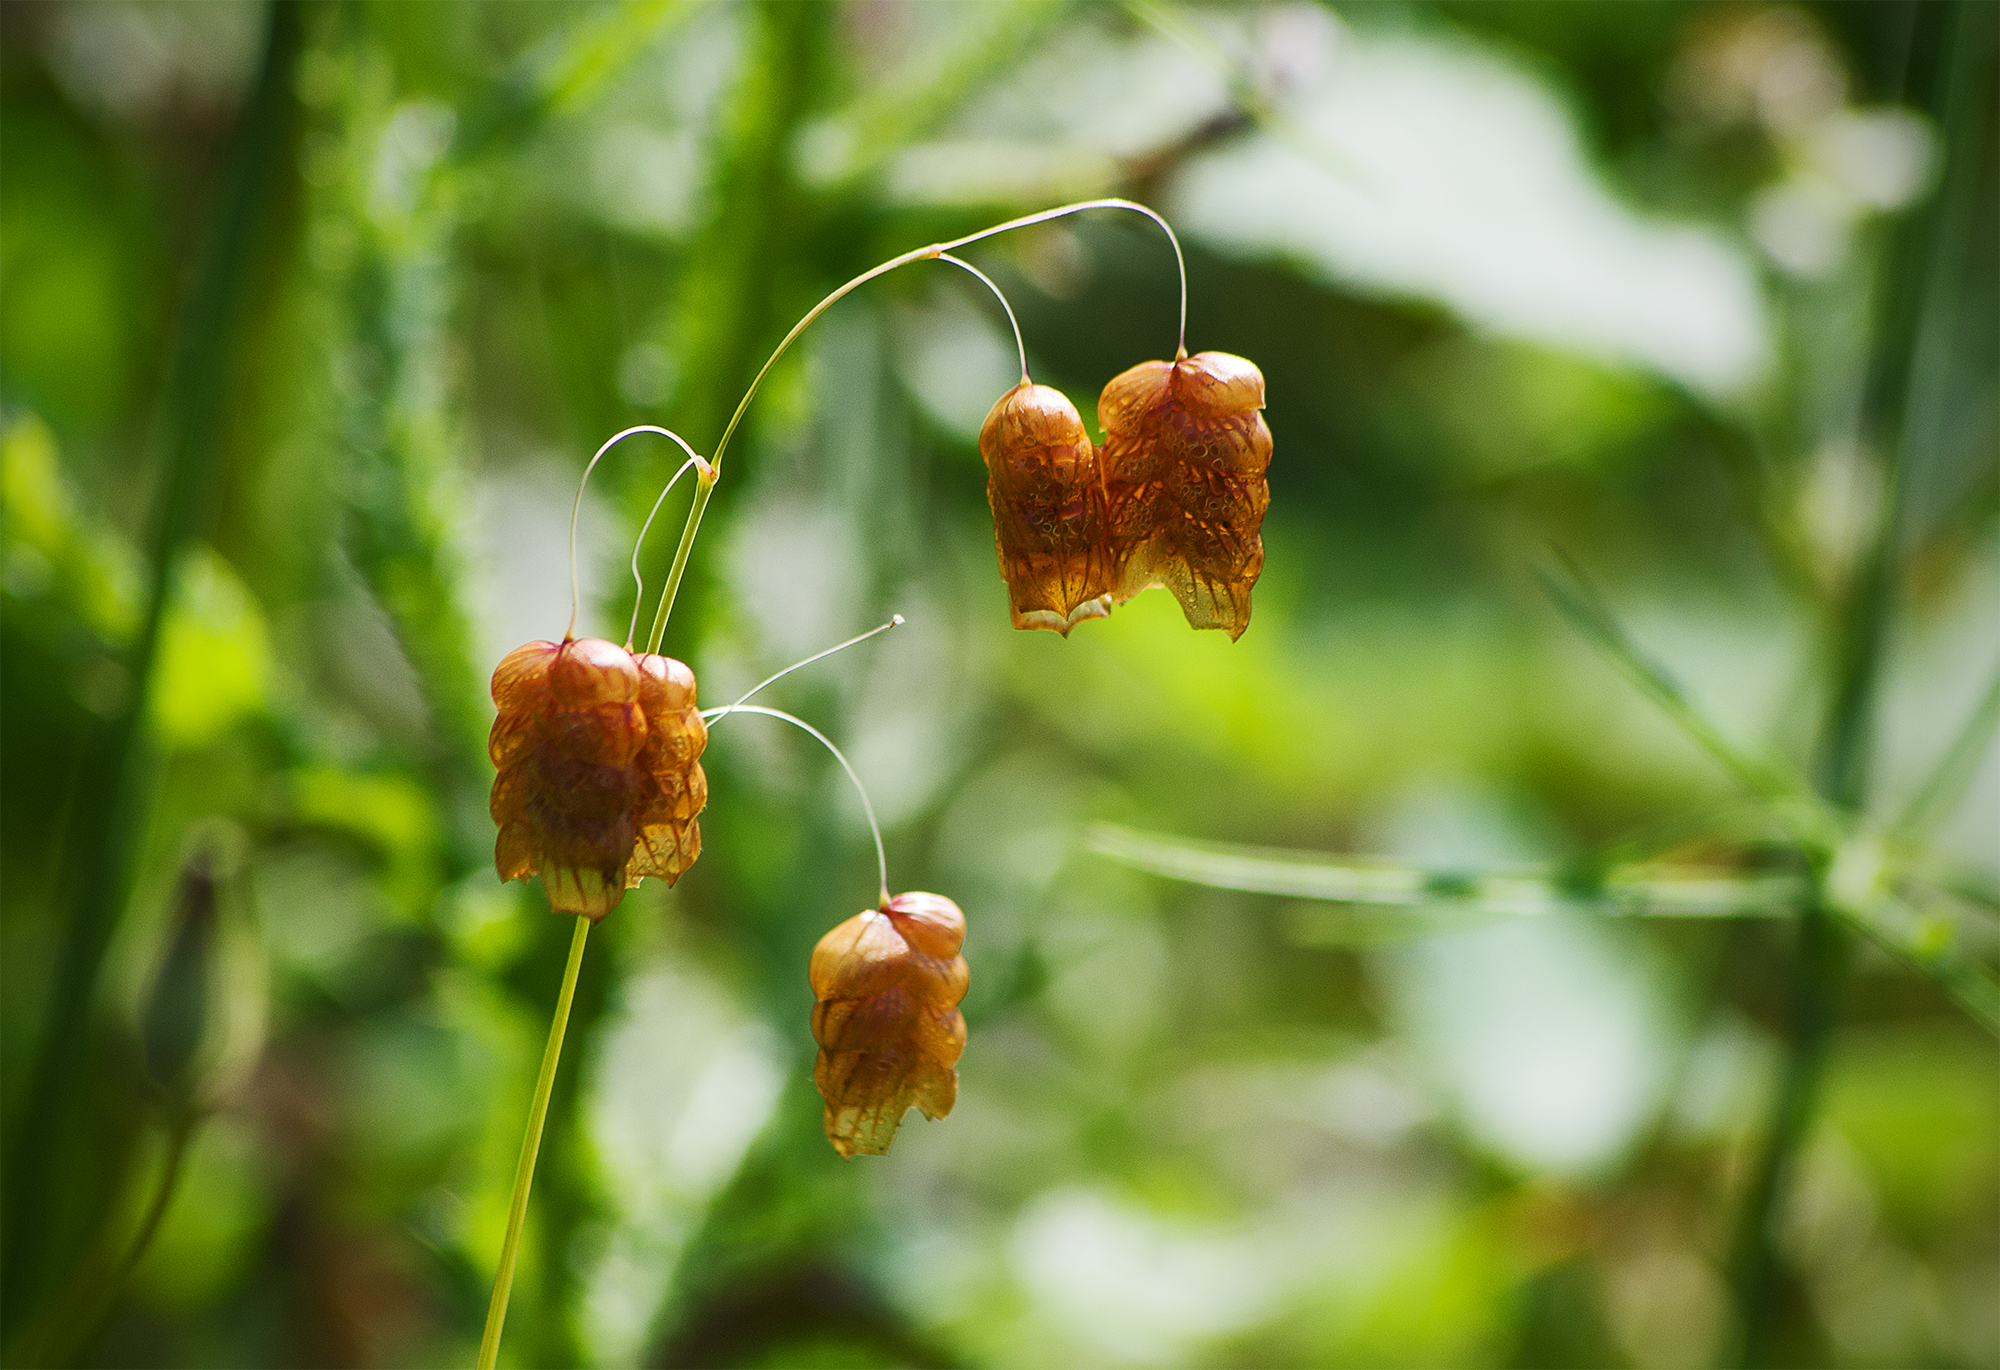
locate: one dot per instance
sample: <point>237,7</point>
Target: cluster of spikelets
<point>1175,496</point>
<point>600,784</point>
<point>598,748</point>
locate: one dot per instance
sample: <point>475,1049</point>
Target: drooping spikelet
<point>599,777</point>
<point>1184,456</point>
<point>1048,508</point>
<point>672,787</point>
<point>888,982</point>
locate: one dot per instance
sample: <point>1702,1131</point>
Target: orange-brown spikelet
<point>888,982</point>
<point>1048,508</point>
<point>1184,456</point>
<point>672,786</point>
<point>599,774</point>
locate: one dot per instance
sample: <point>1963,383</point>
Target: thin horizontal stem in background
<point>1633,890</point>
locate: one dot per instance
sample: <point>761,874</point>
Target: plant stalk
<point>1922,274</point>
<point>531,1145</point>
<point>704,483</point>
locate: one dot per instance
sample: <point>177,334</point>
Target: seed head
<point>888,982</point>
<point>1048,508</point>
<point>599,775</point>
<point>1184,456</point>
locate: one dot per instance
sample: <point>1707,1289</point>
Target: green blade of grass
<point>1956,765</point>
<point>930,87</point>
<point>1578,601</point>
<point>557,78</point>
<point>1639,890</point>
<point>1927,943</point>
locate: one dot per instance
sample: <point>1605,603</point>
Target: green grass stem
<point>531,1145</point>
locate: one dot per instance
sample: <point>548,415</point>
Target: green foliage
<point>1610,760</point>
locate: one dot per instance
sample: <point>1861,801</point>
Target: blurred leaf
<point>926,89</point>
<point>1918,1104</point>
<point>52,548</point>
<point>562,74</point>
<point>1247,90</point>
<point>215,658</point>
<point>391,813</point>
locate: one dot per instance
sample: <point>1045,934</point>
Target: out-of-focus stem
<point>149,1226</point>
<point>73,1319</point>
<point>109,802</point>
<point>531,1145</point>
<point>1921,273</point>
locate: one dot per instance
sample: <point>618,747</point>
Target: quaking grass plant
<point>597,747</point>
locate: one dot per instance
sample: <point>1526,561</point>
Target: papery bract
<point>599,777</point>
<point>1184,456</point>
<point>1048,508</point>
<point>887,984</point>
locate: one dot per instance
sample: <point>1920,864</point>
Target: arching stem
<point>1019,346</point>
<point>881,857</point>
<point>531,1145</point>
<point>73,1320</point>
<point>576,506</point>
<point>921,254</point>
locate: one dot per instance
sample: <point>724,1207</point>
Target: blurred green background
<point>311,315</point>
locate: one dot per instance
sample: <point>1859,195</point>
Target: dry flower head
<point>1184,456</point>
<point>599,777</point>
<point>887,983</point>
<point>1048,508</point>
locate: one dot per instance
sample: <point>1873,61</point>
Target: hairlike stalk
<point>576,506</point>
<point>895,621</point>
<point>531,1145</point>
<point>881,857</point>
<point>1020,347</point>
<point>933,252</point>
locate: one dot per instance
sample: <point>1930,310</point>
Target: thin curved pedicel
<point>1184,460</point>
<point>576,507</point>
<point>886,988</point>
<point>868,809</point>
<point>895,621</point>
<point>1020,345</point>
